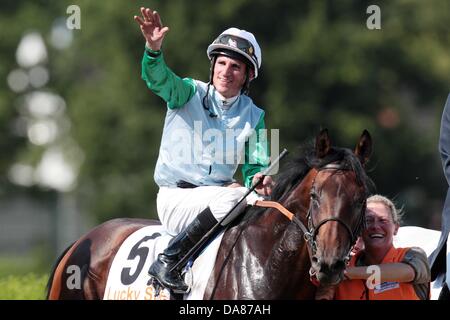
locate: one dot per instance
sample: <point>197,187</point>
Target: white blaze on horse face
<point>333,213</point>
<point>336,201</point>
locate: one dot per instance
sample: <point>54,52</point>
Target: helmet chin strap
<point>210,82</point>
<point>246,87</point>
<point>213,64</point>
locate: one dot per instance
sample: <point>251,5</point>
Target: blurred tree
<point>321,67</point>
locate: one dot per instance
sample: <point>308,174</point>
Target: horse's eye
<point>314,199</point>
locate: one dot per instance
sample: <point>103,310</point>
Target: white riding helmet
<point>239,41</point>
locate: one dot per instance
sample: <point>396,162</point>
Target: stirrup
<point>187,276</point>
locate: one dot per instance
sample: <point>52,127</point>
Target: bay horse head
<point>329,197</point>
<point>337,204</point>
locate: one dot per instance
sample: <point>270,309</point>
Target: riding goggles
<point>238,43</point>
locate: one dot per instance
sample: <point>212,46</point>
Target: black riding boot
<point>177,249</point>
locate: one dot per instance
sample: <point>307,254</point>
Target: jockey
<point>402,273</point>
<point>209,129</point>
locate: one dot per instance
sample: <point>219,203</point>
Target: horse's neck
<point>290,253</point>
<point>289,256</point>
<point>267,252</point>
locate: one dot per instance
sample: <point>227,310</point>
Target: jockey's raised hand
<point>152,28</point>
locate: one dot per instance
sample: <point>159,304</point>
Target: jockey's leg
<point>177,248</point>
<point>177,207</point>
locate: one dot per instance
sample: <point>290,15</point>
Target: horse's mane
<point>297,167</point>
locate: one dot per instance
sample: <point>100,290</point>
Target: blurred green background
<point>80,132</point>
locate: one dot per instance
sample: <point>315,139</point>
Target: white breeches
<point>177,207</point>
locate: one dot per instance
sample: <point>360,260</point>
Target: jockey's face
<point>380,227</point>
<point>229,76</point>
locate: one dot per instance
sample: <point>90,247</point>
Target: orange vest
<point>357,290</point>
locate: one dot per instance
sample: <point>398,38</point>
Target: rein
<point>286,213</point>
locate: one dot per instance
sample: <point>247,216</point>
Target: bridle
<point>313,229</point>
<point>310,232</point>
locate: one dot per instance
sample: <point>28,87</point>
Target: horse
<point>262,254</point>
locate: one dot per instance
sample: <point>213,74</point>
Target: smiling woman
<point>382,223</point>
<point>380,271</point>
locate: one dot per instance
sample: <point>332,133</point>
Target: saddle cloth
<point>128,277</point>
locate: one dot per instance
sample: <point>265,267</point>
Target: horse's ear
<point>323,144</point>
<point>363,149</point>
